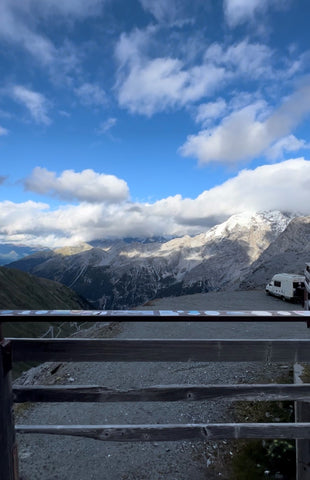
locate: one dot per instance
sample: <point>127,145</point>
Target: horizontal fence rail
<point>151,433</point>
<point>160,393</point>
<point>94,350</point>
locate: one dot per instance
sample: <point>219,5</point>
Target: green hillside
<point>20,290</point>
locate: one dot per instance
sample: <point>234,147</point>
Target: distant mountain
<point>288,253</point>
<point>19,290</point>
<point>10,252</point>
<point>118,274</point>
<point>156,239</point>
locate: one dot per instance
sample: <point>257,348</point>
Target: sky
<point>141,118</point>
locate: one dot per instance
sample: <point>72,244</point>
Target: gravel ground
<point>67,458</point>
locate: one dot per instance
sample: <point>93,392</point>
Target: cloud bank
<point>281,186</point>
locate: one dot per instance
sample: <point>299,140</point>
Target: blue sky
<point>142,117</point>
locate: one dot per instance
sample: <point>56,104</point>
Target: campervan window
<point>277,283</point>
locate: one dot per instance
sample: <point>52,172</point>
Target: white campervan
<point>287,286</point>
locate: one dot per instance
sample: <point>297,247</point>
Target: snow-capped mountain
<point>118,274</point>
<point>287,253</point>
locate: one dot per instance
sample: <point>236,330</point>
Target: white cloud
<point>250,131</point>
<point>106,126</point>
<point>163,83</point>
<point>131,47</point>
<point>35,102</point>
<point>147,86</point>
<point>166,12</point>
<point>91,95</point>
<point>21,25</point>
<point>238,137</point>
<point>207,112</point>
<point>285,144</point>
<point>3,131</point>
<point>16,218</point>
<point>14,29</point>
<point>241,11</point>
<point>85,186</point>
<point>282,186</point>
<point>64,113</point>
<point>254,60</point>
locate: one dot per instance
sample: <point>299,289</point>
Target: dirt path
<point>65,458</point>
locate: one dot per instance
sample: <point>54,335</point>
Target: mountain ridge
<point>123,275</point>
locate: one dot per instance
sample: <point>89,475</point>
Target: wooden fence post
<point>307,290</point>
<point>302,414</point>
<point>8,447</point>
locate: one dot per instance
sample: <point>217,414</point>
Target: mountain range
<point>245,251</point>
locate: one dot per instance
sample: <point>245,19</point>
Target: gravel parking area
<point>65,458</point>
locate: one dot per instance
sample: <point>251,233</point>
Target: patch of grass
<point>264,459</point>
<point>21,408</point>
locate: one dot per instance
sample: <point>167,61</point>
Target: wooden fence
<point>159,350</point>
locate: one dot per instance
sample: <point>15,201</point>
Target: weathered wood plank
<point>174,432</point>
<point>8,447</point>
<point>239,350</point>
<point>169,393</point>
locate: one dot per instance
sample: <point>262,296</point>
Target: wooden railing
<point>181,350</point>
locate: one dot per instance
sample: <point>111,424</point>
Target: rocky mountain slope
<point>118,274</point>
<point>287,253</point>
<point>19,290</point>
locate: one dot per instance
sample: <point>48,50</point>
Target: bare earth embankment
<point>65,458</point>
